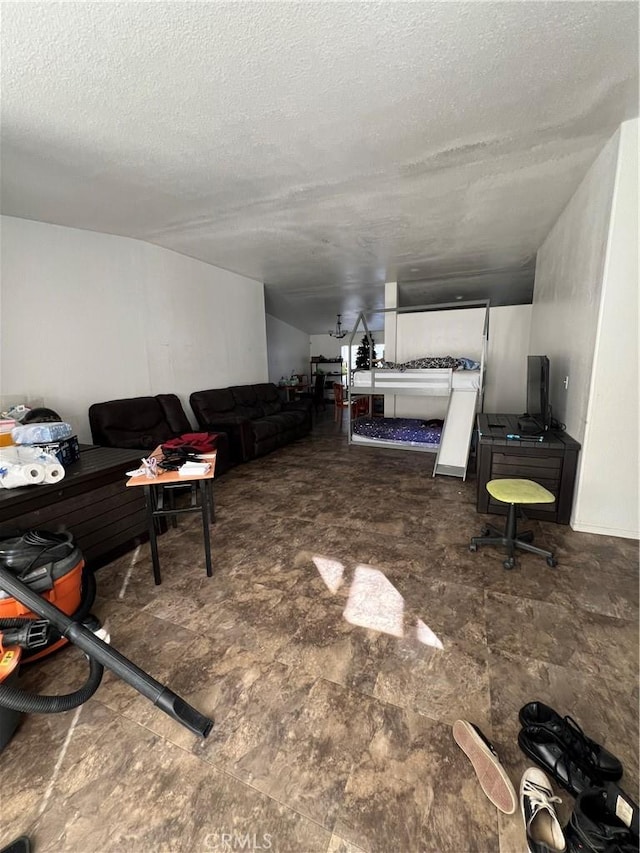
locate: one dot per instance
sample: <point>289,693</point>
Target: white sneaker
<point>544,833</point>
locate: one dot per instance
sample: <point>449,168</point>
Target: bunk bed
<point>458,378</point>
<point>438,381</point>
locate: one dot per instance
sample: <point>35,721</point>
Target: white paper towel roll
<point>53,471</point>
<point>22,475</point>
<point>34,472</point>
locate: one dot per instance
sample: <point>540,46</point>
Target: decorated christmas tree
<point>366,351</point>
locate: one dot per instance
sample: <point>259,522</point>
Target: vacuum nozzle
<point>183,713</point>
<point>32,635</point>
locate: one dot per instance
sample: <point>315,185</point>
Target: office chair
<point>516,493</point>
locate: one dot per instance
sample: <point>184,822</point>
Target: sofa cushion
<point>268,398</point>
<point>264,427</point>
<point>286,420</point>
<point>138,422</point>
<point>246,400</point>
<point>207,405</point>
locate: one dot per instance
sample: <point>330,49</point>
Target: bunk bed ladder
<point>455,442</point>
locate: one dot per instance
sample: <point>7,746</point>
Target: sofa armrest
<point>238,429</point>
<point>174,413</point>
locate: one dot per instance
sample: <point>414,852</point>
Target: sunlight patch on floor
<point>373,602</point>
<point>331,572</point>
<point>426,635</point>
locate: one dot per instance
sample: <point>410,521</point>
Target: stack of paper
<point>193,469</point>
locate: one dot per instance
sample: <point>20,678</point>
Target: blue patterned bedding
<point>405,430</point>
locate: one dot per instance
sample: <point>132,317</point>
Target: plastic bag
<point>41,433</point>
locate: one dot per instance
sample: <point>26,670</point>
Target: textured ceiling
<point>320,147</point>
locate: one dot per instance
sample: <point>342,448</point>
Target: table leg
<point>150,500</point>
<point>204,499</point>
<point>212,503</point>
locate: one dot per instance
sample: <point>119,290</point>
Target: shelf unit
<point>333,371</point>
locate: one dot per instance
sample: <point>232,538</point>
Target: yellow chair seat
<point>519,492</point>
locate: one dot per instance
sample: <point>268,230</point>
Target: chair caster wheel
<point>509,563</point>
<point>552,562</point>
<point>485,531</point>
<point>473,547</point>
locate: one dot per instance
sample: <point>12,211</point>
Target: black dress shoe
<point>620,804</point>
<point>595,759</point>
<point>545,747</point>
<point>593,828</point>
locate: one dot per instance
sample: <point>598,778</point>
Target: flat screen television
<point>538,408</point>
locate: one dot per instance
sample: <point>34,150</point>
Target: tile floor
<point>346,627</point>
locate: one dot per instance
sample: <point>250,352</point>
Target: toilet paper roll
<point>22,475</point>
<point>53,472</point>
<point>34,472</point>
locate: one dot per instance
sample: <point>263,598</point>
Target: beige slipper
<point>491,774</point>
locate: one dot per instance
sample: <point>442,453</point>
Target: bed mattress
<point>402,431</point>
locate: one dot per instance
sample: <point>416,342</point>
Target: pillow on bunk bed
<point>468,364</point>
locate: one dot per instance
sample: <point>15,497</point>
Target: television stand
<point>552,463</point>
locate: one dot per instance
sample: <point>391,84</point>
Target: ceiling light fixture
<point>339,332</point>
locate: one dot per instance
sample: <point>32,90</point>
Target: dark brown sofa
<point>253,416</point>
<point>145,422</point>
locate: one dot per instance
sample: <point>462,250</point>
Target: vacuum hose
<point>14,622</point>
<point>161,696</point>
<point>31,703</point>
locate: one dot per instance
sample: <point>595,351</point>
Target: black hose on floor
<point>31,703</point>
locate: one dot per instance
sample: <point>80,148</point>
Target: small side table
<point>552,463</point>
<point>154,496</point>
<point>290,392</point>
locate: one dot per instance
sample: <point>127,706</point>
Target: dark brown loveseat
<point>144,423</point>
<point>253,416</point>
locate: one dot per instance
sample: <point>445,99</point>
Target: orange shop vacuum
<point>46,593</point>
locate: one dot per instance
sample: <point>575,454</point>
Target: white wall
<point>328,346</point>
<point>506,377</point>
<point>585,317</point>
<point>567,291</point>
<point>607,499</point>
<point>88,317</point>
<point>459,333</point>
<point>438,333</point>
<point>287,350</point>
